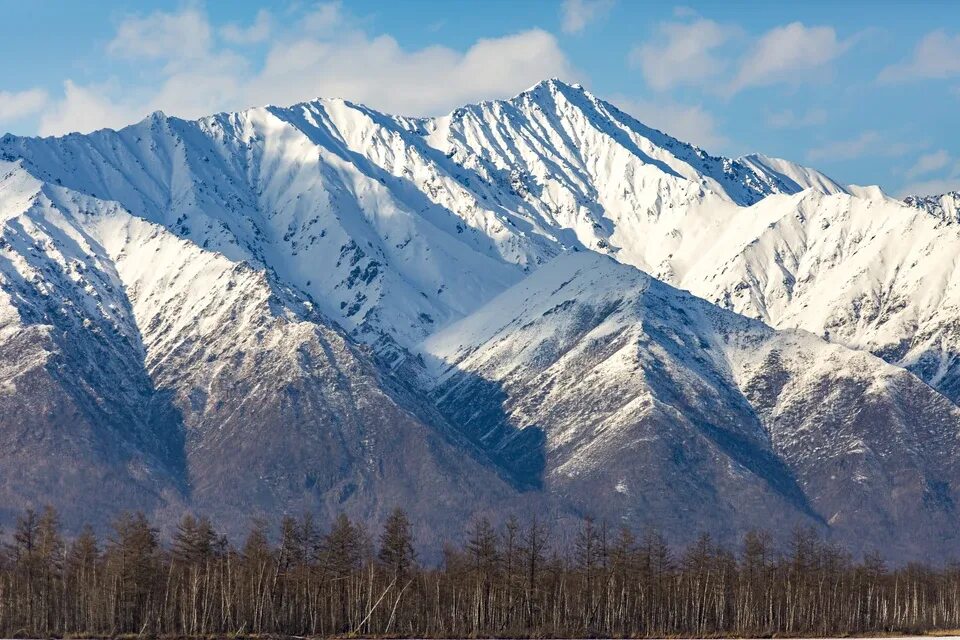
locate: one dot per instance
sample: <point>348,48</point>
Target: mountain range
<point>530,304</point>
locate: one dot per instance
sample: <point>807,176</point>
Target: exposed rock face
<point>945,206</point>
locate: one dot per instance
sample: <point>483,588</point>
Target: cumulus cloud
<point>171,36</point>
<point>85,109</point>
<point>788,54</point>
<point>18,104</point>
<point>327,57</point>
<point>324,17</point>
<point>381,73</point>
<point>577,14</point>
<point>699,52</point>
<point>937,55</point>
<point>690,123</point>
<point>259,31</point>
<point>684,53</point>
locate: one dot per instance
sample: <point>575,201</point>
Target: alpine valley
<point>530,305</point>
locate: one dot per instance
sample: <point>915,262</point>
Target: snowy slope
<point>294,191</point>
<point>869,273</point>
<point>796,177</point>
<point>653,406</point>
<point>583,172</point>
<point>177,376</point>
<point>945,206</point>
<point>396,226</point>
<point>82,422</point>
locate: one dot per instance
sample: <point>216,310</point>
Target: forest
<point>298,577</point>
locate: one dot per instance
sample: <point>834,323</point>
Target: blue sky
<point>868,92</point>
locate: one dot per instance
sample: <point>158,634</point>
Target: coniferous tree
<point>82,577</point>
<point>484,559</point>
<point>25,552</point>
<point>258,561</point>
<point>133,561</point>
<point>535,543</point>
<point>396,544</point>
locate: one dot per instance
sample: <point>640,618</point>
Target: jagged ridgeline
<point>300,577</point>
<point>535,304</point>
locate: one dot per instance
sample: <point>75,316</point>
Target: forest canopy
<point>303,578</point>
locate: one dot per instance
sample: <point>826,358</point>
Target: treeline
<point>516,580</point>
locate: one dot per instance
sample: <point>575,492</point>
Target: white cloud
<point>340,61</point>
<point>324,18</point>
<point>868,142</point>
<point>379,72</point>
<point>193,80</point>
<point>788,54</point>
<point>897,149</point>
<point>259,31</point>
<point>19,104</point>
<point>168,36</point>
<point>683,54</point>
<point>937,55</point>
<point>688,123</point>
<point>928,163</point>
<point>948,180</point>
<point>692,51</point>
<point>788,119</point>
<point>577,14</point>
<point>85,109</point>
<point>933,187</point>
<point>846,149</point>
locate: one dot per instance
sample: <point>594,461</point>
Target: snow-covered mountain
<point>392,225</point>
<point>259,310</point>
<point>142,371</point>
<point>649,405</point>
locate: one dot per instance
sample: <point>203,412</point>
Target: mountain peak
<point>555,85</point>
<point>791,176</point>
<point>155,116</point>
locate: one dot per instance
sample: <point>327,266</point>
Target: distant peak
<point>154,118</point>
<point>868,192</point>
<point>953,195</point>
<point>556,84</point>
<point>944,205</point>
